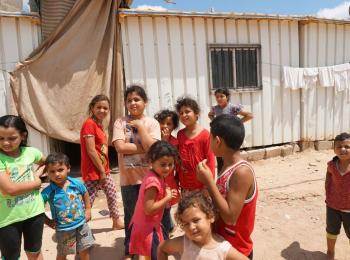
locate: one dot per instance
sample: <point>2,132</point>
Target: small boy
<point>338,192</point>
<point>235,192</point>
<point>68,214</point>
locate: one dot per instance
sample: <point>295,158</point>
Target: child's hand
<point>102,178</point>
<point>87,215</point>
<point>204,174</point>
<point>137,123</point>
<point>50,223</point>
<point>165,134</point>
<point>211,115</point>
<point>38,173</point>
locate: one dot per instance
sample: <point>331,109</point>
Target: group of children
<point>157,170</point>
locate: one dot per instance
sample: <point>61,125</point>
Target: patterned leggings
<point>110,191</point>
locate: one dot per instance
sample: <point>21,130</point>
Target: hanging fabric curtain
<point>80,59</point>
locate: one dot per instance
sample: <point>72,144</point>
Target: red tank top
<point>239,234</point>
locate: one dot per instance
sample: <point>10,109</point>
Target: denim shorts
<point>74,241</point>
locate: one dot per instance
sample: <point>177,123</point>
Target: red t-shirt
<point>171,180</point>
<point>239,234</point>
<point>192,151</point>
<point>88,169</point>
<point>337,188</point>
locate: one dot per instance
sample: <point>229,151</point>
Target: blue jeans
<point>130,193</point>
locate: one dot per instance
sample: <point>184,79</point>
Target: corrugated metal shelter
<point>19,36</point>
<point>169,53</point>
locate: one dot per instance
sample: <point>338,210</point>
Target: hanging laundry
<point>341,77</point>
<point>310,77</point>
<point>326,76</point>
<point>293,77</point>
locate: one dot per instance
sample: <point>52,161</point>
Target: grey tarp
<point>54,85</point>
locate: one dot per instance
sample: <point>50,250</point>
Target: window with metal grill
<point>235,67</point>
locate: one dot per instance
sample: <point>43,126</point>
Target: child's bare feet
<point>330,255</point>
<point>117,224</point>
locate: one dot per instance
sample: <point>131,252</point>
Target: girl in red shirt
<point>194,145</point>
<point>94,157</point>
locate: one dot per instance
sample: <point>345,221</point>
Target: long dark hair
<point>17,123</point>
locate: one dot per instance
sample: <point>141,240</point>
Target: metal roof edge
<point>171,13</point>
<point>20,14</point>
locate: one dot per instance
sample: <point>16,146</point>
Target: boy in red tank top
<point>235,191</point>
<point>338,192</point>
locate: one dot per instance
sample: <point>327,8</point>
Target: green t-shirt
<point>20,169</point>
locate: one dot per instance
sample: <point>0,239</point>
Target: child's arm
<point>233,254</point>
<point>16,188</point>
<point>240,183</point>
<point>50,222</point>
<point>149,203</point>
<point>170,247</point>
<point>86,199</point>
<point>91,151</point>
<point>127,148</point>
<point>146,138</point>
<point>246,116</point>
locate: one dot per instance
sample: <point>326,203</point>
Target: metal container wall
<point>169,55</point>
<point>326,112</point>
<point>19,36</point>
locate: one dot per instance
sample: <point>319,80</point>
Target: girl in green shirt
<point>21,205</point>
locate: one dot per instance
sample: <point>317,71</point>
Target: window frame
<point>259,86</point>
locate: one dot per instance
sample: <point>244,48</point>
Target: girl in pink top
<point>145,228</point>
<point>196,214</point>
<point>194,145</point>
<point>168,121</point>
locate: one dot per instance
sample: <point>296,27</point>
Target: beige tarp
<point>82,58</point>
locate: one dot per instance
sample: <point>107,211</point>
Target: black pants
<point>130,193</point>
<point>11,237</point>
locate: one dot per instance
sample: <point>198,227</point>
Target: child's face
<point>100,110</point>
<point>163,166</point>
<point>10,140</point>
<point>196,225</point>
<point>214,144</point>
<point>187,116</point>
<point>342,149</point>
<point>167,125</point>
<point>221,99</point>
<point>135,104</point>
<point>58,172</point>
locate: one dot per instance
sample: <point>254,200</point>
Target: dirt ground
<point>290,218</point>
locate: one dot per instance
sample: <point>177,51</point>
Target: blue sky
<point>325,8</point>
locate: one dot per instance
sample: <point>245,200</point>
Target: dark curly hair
<point>198,200</point>
<point>160,149</point>
<point>163,114</point>
<point>187,102</point>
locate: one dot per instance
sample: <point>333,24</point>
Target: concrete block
<point>286,150</point>
<point>244,155</point>
<point>256,155</point>
<point>273,151</point>
<point>306,145</point>
<point>323,145</point>
<point>296,147</point>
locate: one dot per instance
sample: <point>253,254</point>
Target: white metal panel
<point>174,60</point>
<point>326,112</point>
<point>19,36</point>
